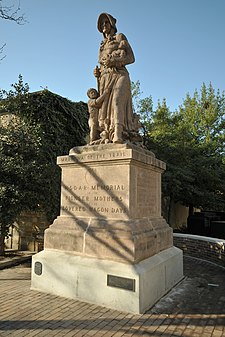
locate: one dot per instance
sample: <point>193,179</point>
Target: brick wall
<point>201,247</point>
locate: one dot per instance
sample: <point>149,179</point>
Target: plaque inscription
<point>38,268</point>
<point>121,282</point>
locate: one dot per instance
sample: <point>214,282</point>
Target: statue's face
<point>93,94</point>
<point>105,25</point>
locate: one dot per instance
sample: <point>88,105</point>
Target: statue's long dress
<point>117,106</point>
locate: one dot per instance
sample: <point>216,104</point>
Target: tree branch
<point>8,13</point>
<point>1,51</point>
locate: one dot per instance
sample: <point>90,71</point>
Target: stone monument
<point>110,245</point>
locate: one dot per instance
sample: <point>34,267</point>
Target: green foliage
<point>191,142</point>
<point>39,127</point>
<point>19,148</point>
<point>143,107</point>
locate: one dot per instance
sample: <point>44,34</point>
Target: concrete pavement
<point>195,307</point>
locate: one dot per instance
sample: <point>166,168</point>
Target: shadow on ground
<point>195,307</point>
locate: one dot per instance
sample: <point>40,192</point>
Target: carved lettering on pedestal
<point>73,208</point>
<point>92,157</point>
<point>107,198</point>
<point>78,188</point>
<point>108,187</point>
<point>117,210</point>
<point>94,199</point>
<point>99,209</point>
<point>74,198</point>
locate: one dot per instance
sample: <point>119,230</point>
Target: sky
<point>178,45</point>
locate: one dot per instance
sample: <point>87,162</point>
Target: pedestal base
<point>110,204</point>
<point>124,287</point>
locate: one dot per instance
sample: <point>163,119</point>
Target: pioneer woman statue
<point>116,120</point>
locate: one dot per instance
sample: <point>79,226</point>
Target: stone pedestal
<point>110,231</point>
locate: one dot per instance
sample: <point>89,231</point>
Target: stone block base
<point>124,287</point>
<point>126,241</point>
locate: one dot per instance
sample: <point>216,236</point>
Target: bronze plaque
<point>38,268</point>
<point>121,282</point>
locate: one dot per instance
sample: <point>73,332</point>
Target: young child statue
<point>94,104</point>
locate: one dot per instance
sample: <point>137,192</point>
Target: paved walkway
<point>196,307</point>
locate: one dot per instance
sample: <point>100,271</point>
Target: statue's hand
<point>97,72</point>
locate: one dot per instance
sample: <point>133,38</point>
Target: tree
<point>201,133</point>
<point>10,13</point>
<point>40,127</point>
<point>143,107</point>
<point>20,174</point>
<point>191,142</point>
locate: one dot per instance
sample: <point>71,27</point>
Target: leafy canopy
<point>35,128</point>
<point>191,141</point>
